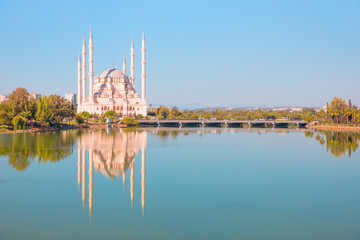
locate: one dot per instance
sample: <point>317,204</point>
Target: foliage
<point>62,108</point>
<point>79,119</point>
<point>110,114</point>
<point>22,108</point>
<point>19,122</point>
<point>130,121</point>
<point>337,112</point>
<point>86,115</point>
<point>139,116</point>
<point>45,109</point>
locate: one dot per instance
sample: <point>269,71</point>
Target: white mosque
<point>113,89</point>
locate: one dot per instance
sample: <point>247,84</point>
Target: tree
<point>19,122</point>
<point>44,111</point>
<point>20,97</point>
<point>86,115</point>
<point>110,114</point>
<point>163,111</point>
<point>337,108</point>
<point>62,108</point>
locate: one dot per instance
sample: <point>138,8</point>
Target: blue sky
<point>298,53</point>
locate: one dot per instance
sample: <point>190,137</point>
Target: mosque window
<point>122,108</point>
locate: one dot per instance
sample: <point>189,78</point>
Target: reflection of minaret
<point>124,179</point>
<point>143,180</point>
<point>79,165</point>
<point>83,177</point>
<point>91,173</point>
<point>132,184</point>
<point>112,155</point>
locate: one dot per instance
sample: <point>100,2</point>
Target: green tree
<point>163,111</point>
<point>110,114</point>
<point>86,115</point>
<point>44,112</point>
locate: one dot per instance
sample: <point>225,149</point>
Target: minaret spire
<point>143,74</point>
<point>91,65</point>
<point>79,82</point>
<point>132,66</point>
<point>124,65</point>
<point>84,70</point>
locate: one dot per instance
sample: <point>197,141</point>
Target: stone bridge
<point>221,123</point>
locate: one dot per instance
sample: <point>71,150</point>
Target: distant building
<point>34,96</point>
<point>4,98</point>
<point>71,97</point>
<point>150,107</point>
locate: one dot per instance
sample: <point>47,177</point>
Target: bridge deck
<point>217,122</point>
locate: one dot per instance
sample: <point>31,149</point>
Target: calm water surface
<point>180,184</point>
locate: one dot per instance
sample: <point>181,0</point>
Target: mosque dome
<point>112,73</point>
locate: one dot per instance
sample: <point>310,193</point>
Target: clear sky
<point>298,53</point>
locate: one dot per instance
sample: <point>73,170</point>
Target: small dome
<point>112,73</point>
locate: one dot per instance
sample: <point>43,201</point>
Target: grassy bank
<point>335,127</point>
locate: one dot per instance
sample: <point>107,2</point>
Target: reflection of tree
<point>21,148</point>
<point>338,143</point>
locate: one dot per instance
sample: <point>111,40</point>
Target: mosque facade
<point>112,90</point>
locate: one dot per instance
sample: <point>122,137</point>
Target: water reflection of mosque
<point>112,154</point>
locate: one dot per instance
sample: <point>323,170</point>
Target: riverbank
<point>64,127</point>
<point>334,128</point>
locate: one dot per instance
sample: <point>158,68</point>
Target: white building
<point>71,97</point>
<point>4,98</point>
<point>34,96</point>
<point>113,89</point>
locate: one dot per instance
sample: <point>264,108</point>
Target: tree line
<point>22,110</point>
<point>174,113</point>
<point>337,112</point>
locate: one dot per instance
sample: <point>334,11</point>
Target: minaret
<point>132,66</point>
<point>79,82</point>
<point>91,70</point>
<point>84,70</point>
<point>143,75</point>
<point>124,66</point>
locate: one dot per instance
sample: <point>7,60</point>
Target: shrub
<point>79,119</point>
<point>130,122</point>
<point>139,116</point>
